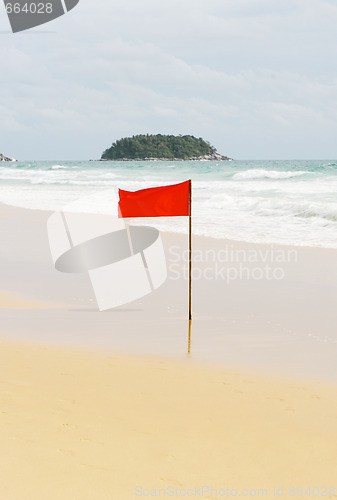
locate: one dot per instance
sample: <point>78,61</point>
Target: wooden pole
<point>189,337</point>
<point>190,255</point>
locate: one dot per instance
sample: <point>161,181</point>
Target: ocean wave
<point>329,165</point>
<point>277,207</point>
<point>270,202</point>
<point>268,174</point>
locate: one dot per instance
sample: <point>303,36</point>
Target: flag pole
<point>190,254</point>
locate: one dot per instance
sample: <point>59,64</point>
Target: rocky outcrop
<point>4,158</point>
<point>213,156</point>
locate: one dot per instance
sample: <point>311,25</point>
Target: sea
<point>289,202</point>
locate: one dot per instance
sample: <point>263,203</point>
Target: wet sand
<point>241,319</point>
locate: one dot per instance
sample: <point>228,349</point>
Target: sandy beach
<point>75,424</point>
<point>111,405</point>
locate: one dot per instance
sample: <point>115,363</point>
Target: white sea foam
<point>290,203</point>
<point>268,174</point>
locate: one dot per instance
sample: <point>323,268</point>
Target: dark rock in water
<point>5,158</point>
<point>213,156</point>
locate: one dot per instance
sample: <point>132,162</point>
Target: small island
<point>5,158</point>
<point>162,147</point>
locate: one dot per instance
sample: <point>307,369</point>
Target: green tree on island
<point>159,146</point>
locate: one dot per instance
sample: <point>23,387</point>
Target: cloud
<point>235,72</point>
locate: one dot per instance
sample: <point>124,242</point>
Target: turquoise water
<point>289,202</point>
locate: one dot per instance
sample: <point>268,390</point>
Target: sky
<point>256,78</point>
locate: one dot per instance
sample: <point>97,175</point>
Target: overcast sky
<point>257,78</point>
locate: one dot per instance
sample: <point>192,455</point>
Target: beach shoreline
<point>111,404</point>
<point>264,307</point>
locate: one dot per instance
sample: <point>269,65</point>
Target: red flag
<point>165,201</point>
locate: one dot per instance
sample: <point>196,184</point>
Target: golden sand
<point>84,426</point>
